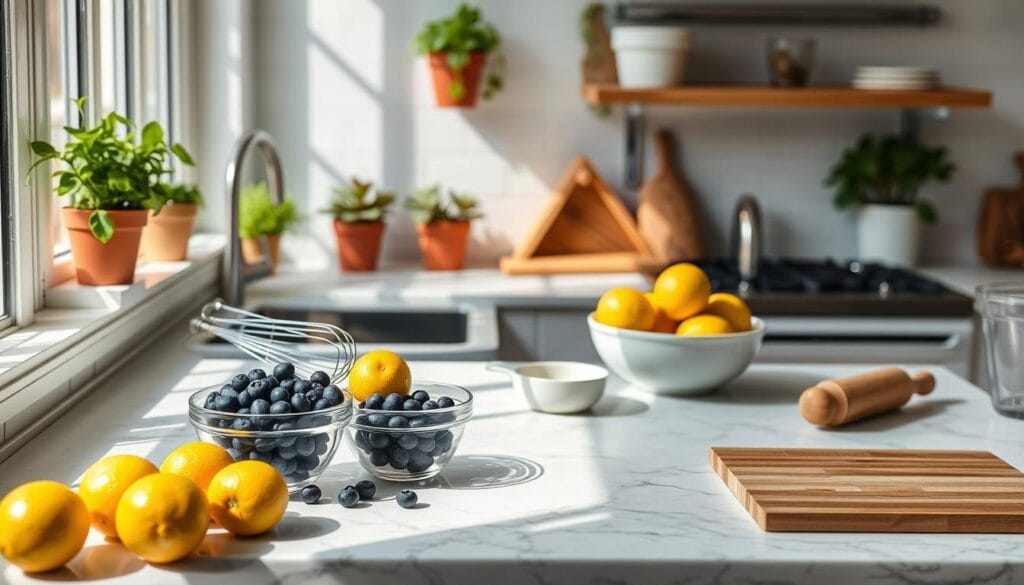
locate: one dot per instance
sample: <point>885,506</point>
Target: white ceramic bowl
<point>556,387</point>
<point>674,364</point>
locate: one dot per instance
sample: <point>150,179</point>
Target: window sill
<point>84,331</point>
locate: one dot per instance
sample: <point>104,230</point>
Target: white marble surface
<point>622,495</point>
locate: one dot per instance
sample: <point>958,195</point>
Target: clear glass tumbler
<point>1001,306</point>
<point>789,61</point>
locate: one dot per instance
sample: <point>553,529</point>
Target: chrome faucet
<point>234,274</point>
<point>746,239</point>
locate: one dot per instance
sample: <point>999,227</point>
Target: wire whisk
<point>273,341</point>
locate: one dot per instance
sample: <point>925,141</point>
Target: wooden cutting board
<point>666,212</point>
<point>854,490</point>
<point>1000,233</point>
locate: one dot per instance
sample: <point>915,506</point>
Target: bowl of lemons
<point>679,338</point>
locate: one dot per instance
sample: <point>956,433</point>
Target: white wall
<point>338,87</point>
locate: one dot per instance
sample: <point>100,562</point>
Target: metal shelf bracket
<point>634,145</point>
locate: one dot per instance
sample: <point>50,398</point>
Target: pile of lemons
<point>161,515</point>
<point>681,303</point>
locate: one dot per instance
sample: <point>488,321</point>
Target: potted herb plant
<point>260,218</point>
<point>457,50</point>
<point>442,227</point>
<point>359,224</point>
<point>165,237</point>
<point>881,177</point>
<point>112,177</point>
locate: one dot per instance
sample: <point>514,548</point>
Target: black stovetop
<point>844,289</point>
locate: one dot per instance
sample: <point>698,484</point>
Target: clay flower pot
<point>444,77</point>
<point>165,238</point>
<point>96,263</point>
<point>443,244</point>
<point>253,254</point>
<point>358,244</point>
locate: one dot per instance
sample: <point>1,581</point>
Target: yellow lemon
<point>103,484</point>
<point>682,291</point>
<point>248,497</point>
<point>662,322</point>
<point>625,308</point>
<point>162,517</point>
<point>197,461</point>
<point>379,371</point>
<point>43,525</point>
<point>704,325</point>
<point>731,308</point>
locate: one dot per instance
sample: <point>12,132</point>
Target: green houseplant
<point>111,175</point>
<point>165,237</point>
<point>359,224</point>
<point>457,49</point>
<point>259,217</point>
<point>442,226</point>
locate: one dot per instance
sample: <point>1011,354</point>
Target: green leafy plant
<point>890,170</point>
<point>426,205</point>
<point>111,167</point>
<point>352,203</point>
<point>458,36</point>
<point>258,215</point>
<point>595,52</point>
<point>182,194</point>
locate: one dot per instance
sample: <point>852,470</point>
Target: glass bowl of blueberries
<point>412,437</point>
<point>289,421</point>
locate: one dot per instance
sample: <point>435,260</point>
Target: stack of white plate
<point>896,78</point>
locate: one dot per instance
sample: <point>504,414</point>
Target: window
<point>6,185</point>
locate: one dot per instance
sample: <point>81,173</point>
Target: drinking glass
<point>789,61</point>
<point>1001,306</point>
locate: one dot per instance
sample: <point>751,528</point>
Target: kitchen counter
<point>624,494</point>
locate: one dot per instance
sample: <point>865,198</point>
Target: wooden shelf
<point>809,97</point>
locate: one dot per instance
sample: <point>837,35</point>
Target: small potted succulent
<point>260,219</point>
<point>359,224</point>
<point>112,177</point>
<point>457,49</point>
<point>165,237</point>
<point>881,177</point>
<point>442,227</point>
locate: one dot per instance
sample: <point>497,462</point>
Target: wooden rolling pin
<point>832,403</point>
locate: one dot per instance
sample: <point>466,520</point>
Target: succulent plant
<point>427,205</point>
<point>353,204</point>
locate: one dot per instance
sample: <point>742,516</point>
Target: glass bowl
<point>421,446</point>
<point>299,445</point>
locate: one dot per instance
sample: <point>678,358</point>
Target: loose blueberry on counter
<point>348,496</point>
<point>408,441</point>
<point>240,382</point>
<point>407,499</point>
<point>332,394</point>
<point>280,394</point>
<point>375,402</point>
<point>445,402</point>
<point>260,406</point>
<point>412,404</point>
<point>421,395</point>
<point>280,407</point>
<point>366,489</point>
<point>257,374</point>
<point>398,422</point>
<point>284,371</point>
<point>320,377</point>
<point>393,402</point>
<point>300,403</point>
<point>430,405</point>
<point>311,493</point>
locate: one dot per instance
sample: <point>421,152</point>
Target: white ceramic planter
<point>888,234</point>
<point>651,56</point>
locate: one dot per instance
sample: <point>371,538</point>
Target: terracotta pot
<point>443,244</point>
<point>444,76</point>
<point>99,264</point>
<point>358,244</point>
<point>253,254</point>
<point>165,238</point>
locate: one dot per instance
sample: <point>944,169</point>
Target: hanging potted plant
<point>359,224</point>
<point>261,223</point>
<point>442,227</point>
<point>457,50</point>
<point>112,178</point>
<point>165,237</point>
<point>881,177</point>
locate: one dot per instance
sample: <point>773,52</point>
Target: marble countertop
<point>621,495</point>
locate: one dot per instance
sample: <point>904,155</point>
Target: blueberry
<point>289,384</point>
<point>211,400</point>
<point>419,422</point>
<point>287,452</point>
<point>393,402</point>
<point>271,381</point>
<point>419,461</point>
<point>321,378</point>
<point>284,371</point>
<point>333,395</point>
<point>377,420</point>
<point>348,496</point>
<point>265,444</point>
<point>366,489</point>
<point>257,374</point>
<point>259,406</point>
<point>300,403</point>
<point>398,422</point>
<point>301,386</point>
<point>311,493</point>
<point>375,401</point>
<point>307,462</point>
<point>241,445</point>
<point>224,423</point>
<point>379,440</point>
<point>317,390</point>
<point>444,418</point>
<point>407,499</point>
<point>445,402</point>
<point>362,440</point>
<point>408,441</point>
<point>379,457</point>
<point>425,445</point>
<point>245,399</point>
<point>223,441</point>
<point>284,466</point>
<point>322,404</point>
<point>307,422</point>
<point>305,445</point>
<point>280,394</point>
<point>240,382</point>
<point>321,448</point>
<point>258,389</point>
<point>297,476</point>
<point>235,454</point>
<point>412,404</point>
<point>430,405</point>
<point>363,420</point>
<point>398,458</point>
<point>421,396</point>
<point>242,424</point>
<point>280,407</point>
<point>444,440</point>
<point>284,426</point>
<point>227,403</point>
<point>243,411</point>
<point>261,456</point>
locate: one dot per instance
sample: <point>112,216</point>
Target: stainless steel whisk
<point>280,340</point>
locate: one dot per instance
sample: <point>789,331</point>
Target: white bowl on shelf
<point>677,365</point>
